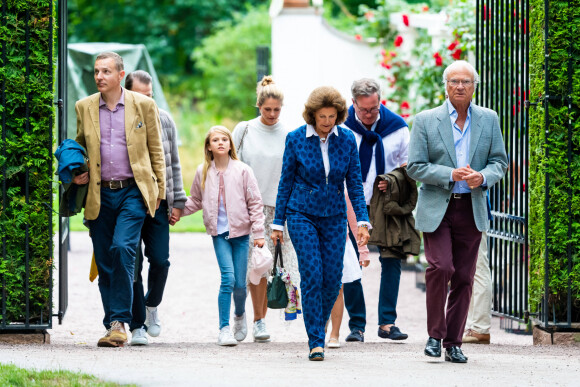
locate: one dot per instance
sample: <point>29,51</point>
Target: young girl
<point>227,191</point>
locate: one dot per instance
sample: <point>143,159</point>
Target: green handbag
<point>277,295</point>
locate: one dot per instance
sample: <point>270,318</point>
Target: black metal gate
<point>502,57</point>
<point>63,230</point>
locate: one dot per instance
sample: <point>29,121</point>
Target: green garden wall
<point>555,153</point>
<point>27,39</point>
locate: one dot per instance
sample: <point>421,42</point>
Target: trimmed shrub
<point>27,37</point>
<point>555,152</point>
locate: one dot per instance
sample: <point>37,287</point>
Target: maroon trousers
<point>451,252</point>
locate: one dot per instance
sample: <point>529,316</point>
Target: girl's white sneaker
<point>240,327</point>
<point>226,338</point>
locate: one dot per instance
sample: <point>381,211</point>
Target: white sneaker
<point>152,321</point>
<point>260,332</point>
<point>138,337</point>
<point>240,327</point>
<point>225,337</point>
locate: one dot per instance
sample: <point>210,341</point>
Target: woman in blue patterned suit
<point>318,159</point>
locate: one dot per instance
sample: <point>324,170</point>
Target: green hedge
<point>27,117</point>
<point>563,22</point>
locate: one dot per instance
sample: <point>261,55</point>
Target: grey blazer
<point>432,158</point>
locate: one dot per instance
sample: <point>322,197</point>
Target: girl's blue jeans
<point>232,257</point>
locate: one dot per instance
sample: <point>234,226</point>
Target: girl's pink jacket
<point>242,200</point>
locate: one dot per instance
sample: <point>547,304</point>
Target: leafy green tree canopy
<point>227,60</point>
<point>170,29</point>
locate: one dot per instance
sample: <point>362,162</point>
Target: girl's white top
<point>351,270</point>
<point>263,150</point>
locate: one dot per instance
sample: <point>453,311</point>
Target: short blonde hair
<point>323,97</point>
<point>209,155</point>
<point>267,88</point>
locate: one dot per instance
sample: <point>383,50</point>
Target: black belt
<point>461,195</point>
<point>117,184</point>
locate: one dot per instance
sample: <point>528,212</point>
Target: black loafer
<point>394,334</point>
<point>454,354</point>
<point>356,335</point>
<point>433,347</point>
<point>316,356</point>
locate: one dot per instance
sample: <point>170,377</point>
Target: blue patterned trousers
<point>319,244</point>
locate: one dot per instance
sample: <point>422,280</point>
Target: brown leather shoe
<point>105,341</point>
<point>118,334</point>
<point>472,337</point>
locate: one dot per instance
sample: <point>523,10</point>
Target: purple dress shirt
<point>114,155</point>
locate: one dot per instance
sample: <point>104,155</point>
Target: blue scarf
<point>389,123</point>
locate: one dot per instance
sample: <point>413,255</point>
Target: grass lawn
<point>11,375</point>
<point>191,223</point>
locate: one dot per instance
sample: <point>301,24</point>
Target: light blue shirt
<point>461,139</point>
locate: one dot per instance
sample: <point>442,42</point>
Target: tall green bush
<point>549,143</point>
<point>26,168</point>
<point>169,29</point>
<point>227,60</point>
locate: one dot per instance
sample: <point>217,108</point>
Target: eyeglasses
<point>457,82</point>
<point>374,110</point>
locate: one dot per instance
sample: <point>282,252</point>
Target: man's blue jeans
<point>354,298</point>
<point>232,257</point>
<point>389,291</point>
<point>155,236</point>
<point>115,234</point>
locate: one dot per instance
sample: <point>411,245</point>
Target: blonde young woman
<point>260,143</point>
<point>227,191</point>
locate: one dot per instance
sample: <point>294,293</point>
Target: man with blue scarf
<point>383,141</point>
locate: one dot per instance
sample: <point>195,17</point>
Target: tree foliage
<point>227,60</point>
<point>170,29</point>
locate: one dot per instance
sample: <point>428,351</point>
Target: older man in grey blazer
<point>457,152</point>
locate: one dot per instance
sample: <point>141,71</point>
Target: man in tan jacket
<point>121,131</point>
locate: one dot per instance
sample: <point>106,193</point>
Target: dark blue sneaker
<point>393,334</point>
<point>356,335</point>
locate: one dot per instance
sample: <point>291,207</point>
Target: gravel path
<point>186,353</point>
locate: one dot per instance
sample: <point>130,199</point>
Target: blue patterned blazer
<point>432,158</point>
<point>304,186</point>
